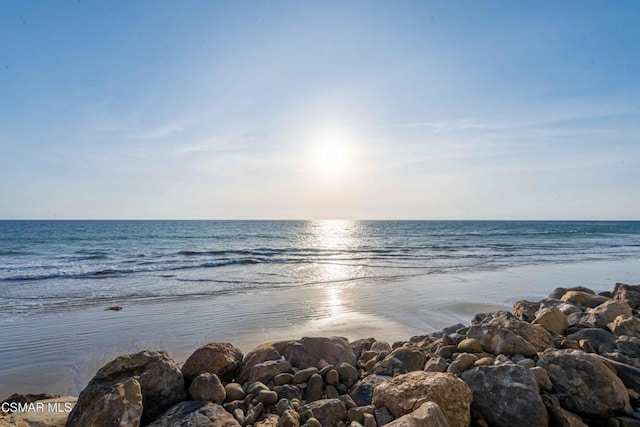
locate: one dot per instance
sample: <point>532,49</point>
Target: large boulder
<point>330,412</point>
<point>583,300</point>
<point>625,325</point>
<point>628,293</point>
<point>195,414</point>
<point>221,359</point>
<point>427,415</point>
<point>208,387</point>
<point>400,361</point>
<point>406,393</point>
<point>499,340</point>
<point>495,331</point>
<point>303,353</point>
<point>599,340</point>
<point>119,405</point>
<point>584,384</point>
<point>552,319</point>
<point>607,312</point>
<point>160,380</point>
<point>506,395</point>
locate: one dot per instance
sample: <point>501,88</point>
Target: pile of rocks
<point>572,359</point>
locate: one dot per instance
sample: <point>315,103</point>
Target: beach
<point>60,352</point>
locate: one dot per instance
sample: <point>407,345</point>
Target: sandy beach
<point>59,353</point>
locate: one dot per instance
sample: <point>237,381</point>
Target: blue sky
<point>283,110</point>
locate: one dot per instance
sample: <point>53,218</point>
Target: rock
<point>446,351</point>
<point>558,293</point>
<point>552,319</point>
<point>357,413</point>
<point>383,416</point>
<point>527,363</point>
<point>54,414</point>
<point>208,387</point>
<point>630,375</point>
<point>253,414</point>
<point>506,395</point>
<point>118,404</point>
<point>625,325</point>
<point>332,377</point>
<point>160,379</point>
<point>267,397</point>
<point>583,300</point>
<point>470,345</point>
<point>628,293</point>
<point>600,340</point>
<point>288,391</point>
<point>542,378</point>
<point>254,388</point>
<point>331,392</point>
<point>406,393</point>
<point>463,362</point>
<point>347,373</point>
<point>314,388</point>
<point>303,375</point>
<point>436,364</point>
<point>362,392</point>
<point>270,421</point>
<point>266,371</point>
<point>361,345</point>
<point>234,391</point>
<point>328,411</point>
<point>607,312</point>
<point>369,420</point>
<point>12,420</point>
<point>499,340</point>
<point>428,414</point>
<point>560,417</point>
<point>381,347</point>
<point>289,418</point>
<point>564,307</point>
<point>221,359</point>
<point>525,310</point>
<point>312,422</point>
<point>194,414</point>
<point>584,384</point>
<point>400,361</point>
<point>484,361</point>
<point>17,398</point>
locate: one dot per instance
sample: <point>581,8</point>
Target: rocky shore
<point>572,359</point>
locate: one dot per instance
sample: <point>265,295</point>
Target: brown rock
<point>463,362</point>
<point>584,384</point>
<point>406,393</point>
<point>12,420</point>
<point>583,300</point>
<point>221,359</point>
<point>266,371</point>
<point>428,414</point>
<point>552,319</point>
<point>400,361</point>
<point>234,391</point>
<point>120,405</point>
<point>625,325</point>
<point>270,421</point>
<point>436,364</point>
<point>557,293</point>
<point>525,310</point>
<point>159,377</point>
<point>195,414</point>
<point>289,418</point>
<point>208,387</point>
<point>607,312</point>
<point>329,412</point>
<point>628,293</point>
<point>470,345</point>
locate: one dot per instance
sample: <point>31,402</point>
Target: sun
<point>332,154</point>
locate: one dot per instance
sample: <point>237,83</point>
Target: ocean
<point>183,284</point>
<point>62,265</point>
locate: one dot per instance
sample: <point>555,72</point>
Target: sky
<point>319,109</point>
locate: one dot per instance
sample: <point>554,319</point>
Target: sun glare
<point>332,155</point>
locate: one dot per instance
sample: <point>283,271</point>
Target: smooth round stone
<point>267,397</point>
<point>470,345</point>
<point>303,375</point>
<point>282,379</point>
<point>484,361</point>
<point>313,422</point>
<point>332,377</point>
<point>527,363</point>
<point>234,392</point>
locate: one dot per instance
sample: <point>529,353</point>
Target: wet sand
<point>59,353</point>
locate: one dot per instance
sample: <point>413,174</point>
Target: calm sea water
<point>61,265</point>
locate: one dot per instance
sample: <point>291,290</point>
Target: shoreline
<point>60,352</point>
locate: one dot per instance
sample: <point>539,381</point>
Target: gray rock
<point>400,361</point>
<point>542,378</point>
<point>463,362</point>
<point>383,416</point>
<point>347,373</point>
<point>267,397</point>
<point>266,371</point>
<point>600,340</point>
<point>288,391</point>
<point>506,395</point>
<point>314,388</point>
<point>362,392</point>
<point>332,377</point>
<point>436,364</point>
<point>194,414</point>
<point>234,391</point>
<point>303,375</point>
<point>584,384</point>
<point>427,415</point>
